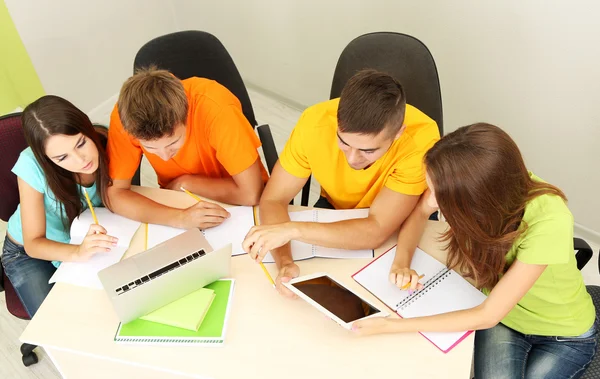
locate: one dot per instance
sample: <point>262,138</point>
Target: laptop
<point>156,277</point>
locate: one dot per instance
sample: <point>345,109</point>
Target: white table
<point>268,336</point>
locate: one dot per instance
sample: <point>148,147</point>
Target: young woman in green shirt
<point>512,234</point>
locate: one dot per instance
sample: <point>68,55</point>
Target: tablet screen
<point>336,298</point>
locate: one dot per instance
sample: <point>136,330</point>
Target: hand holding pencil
<point>405,278</point>
<point>96,241</point>
<point>203,214</point>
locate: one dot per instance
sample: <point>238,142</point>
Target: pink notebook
<point>444,291</point>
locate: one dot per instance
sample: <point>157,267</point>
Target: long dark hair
<point>482,187</point>
<point>52,115</point>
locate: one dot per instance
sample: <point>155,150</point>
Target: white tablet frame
<point>345,325</point>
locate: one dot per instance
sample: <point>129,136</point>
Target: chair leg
<point>28,356</point>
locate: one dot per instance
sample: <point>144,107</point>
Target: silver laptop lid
<point>183,265</point>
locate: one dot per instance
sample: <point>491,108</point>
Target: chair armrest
<point>584,252</point>
<point>268,146</point>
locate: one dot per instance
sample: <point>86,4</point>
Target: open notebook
<point>85,274</point>
<point>444,291</point>
<point>211,331</point>
<point>235,229</point>
<point>301,250</point>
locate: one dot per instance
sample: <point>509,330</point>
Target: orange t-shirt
<point>219,141</point>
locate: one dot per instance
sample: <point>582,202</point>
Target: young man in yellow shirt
<point>366,150</point>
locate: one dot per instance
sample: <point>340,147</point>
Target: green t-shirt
<point>558,304</point>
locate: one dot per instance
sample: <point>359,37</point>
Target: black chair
<point>195,53</point>
<point>584,254</point>
<point>405,58</point>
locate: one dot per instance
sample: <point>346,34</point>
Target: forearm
<point>355,234</point>
<point>224,190</point>
<point>469,319</point>
<point>48,250</point>
<point>272,212</point>
<point>138,207</point>
<point>409,236</point>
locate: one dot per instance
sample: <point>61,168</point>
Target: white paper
<point>301,250</point>
<point>85,274</point>
<point>233,230</point>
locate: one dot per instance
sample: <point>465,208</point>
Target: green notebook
<point>211,331</point>
<point>186,313</point>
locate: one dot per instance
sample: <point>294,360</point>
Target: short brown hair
<point>370,102</point>
<point>482,188</point>
<point>151,103</point>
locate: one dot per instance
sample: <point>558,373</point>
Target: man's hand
<point>264,238</point>
<point>287,272</point>
<point>202,215</point>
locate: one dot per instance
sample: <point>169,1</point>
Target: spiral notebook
<point>211,331</point>
<point>443,291</point>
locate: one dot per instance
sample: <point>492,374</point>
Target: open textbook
<point>236,227</point>
<point>301,250</point>
<point>85,274</point>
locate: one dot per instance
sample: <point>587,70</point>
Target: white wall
<point>531,67</point>
<point>83,50</point>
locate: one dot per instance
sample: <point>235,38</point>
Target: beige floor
<point>281,119</point>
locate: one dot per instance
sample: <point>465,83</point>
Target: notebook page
<point>85,274</point>
<point>330,215</point>
<point>233,230</point>
<point>158,234</point>
<point>300,250</point>
<point>115,225</point>
<point>375,276</point>
<point>451,293</point>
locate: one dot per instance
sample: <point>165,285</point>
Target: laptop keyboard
<point>161,271</point>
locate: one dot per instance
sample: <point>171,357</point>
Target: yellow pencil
<point>146,239</point>
<point>261,264</point>
<point>408,284</point>
<point>191,194</point>
<point>87,198</point>
<point>267,274</point>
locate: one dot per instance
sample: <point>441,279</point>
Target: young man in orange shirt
<point>366,150</point>
<point>194,135</point>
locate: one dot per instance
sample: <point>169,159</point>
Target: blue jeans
<point>501,352</point>
<point>29,276</point>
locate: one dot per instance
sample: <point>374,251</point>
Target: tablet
<point>333,299</point>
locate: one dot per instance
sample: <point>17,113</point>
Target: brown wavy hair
<point>51,115</point>
<point>482,188</point>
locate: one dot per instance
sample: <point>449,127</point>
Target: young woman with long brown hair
<point>512,233</point>
<point>64,156</point>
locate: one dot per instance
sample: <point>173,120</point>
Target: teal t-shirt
<point>29,170</point>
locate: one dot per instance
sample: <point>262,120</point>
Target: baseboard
<point>591,236</point>
<point>273,95</point>
<point>101,113</point>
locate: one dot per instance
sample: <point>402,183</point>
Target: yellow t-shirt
<point>558,304</point>
<point>313,148</point>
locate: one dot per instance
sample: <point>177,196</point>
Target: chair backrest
<point>12,142</point>
<point>400,55</point>
<point>195,53</point>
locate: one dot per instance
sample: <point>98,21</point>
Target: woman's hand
<point>96,241</point>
